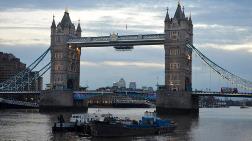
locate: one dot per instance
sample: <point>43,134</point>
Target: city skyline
<point>215,34</point>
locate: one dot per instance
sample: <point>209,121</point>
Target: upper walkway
<point>116,40</point>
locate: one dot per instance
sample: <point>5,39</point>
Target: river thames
<point>215,124</point>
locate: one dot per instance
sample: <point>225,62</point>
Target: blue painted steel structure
<point>78,95</point>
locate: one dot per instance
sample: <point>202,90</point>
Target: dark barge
<point>149,125</point>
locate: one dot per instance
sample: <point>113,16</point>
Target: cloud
<point>229,47</point>
<point>219,27</point>
<point>151,47</point>
<point>137,64</point>
<point>21,26</point>
<point>27,23</point>
<point>134,64</point>
<point>84,4</point>
<point>87,63</point>
<point>196,68</point>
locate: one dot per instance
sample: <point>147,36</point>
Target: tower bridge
<point>175,96</point>
<point>66,43</point>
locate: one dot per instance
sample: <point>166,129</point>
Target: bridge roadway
<point>88,94</point>
<point>9,97</point>
<point>21,92</point>
<point>219,94</point>
<point>80,95</point>
<point>116,40</point>
<point>15,103</point>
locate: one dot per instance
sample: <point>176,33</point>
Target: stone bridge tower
<point>176,95</point>
<point>65,69</point>
<point>65,59</point>
<point>178,57</point>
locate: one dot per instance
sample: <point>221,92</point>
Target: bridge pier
<point>60,101</point>
<point>176,102</point>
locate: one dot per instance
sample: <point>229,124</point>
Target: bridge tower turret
<point>176,96</point>
<point>78,30</point>
<point>65,59</point>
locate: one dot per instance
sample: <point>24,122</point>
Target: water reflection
<point>185,123</point>
<point>225,124</point>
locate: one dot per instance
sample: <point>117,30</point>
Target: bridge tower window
<point>174,51</point>
<point>174,66</point>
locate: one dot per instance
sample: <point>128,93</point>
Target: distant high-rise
<point>120,84</point>
<point>132,85</point>
<point>36,85</point>
<point>9,66</point>
<point>150,89</point>
<point>115,84</point>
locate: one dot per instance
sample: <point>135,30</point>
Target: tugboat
<point>82,119</point>
<point>115,127</point>
<point>78,122</point>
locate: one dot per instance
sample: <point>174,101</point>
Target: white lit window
<point>174,66</point>
<point>174,51</point>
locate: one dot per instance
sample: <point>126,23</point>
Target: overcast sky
<point>222,31</point>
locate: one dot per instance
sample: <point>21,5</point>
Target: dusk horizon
<point>26,26</point>
<point>145,70</point>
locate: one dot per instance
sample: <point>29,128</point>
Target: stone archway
<point>187,84</point>
<point>70,84</point>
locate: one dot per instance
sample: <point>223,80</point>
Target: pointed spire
<point>190,17</point>
<point>66,21</point>
<point>178,13</point>
<point>78,27</point>
<point>66,9</point>
<point>167,17</point>
<point>53,23</point>
<point>183,11</point>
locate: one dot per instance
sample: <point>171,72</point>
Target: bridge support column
<point>60,101</point>
<point>176,96</point>
<point>176,103</point>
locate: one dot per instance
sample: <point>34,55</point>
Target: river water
<point>215,124</point>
